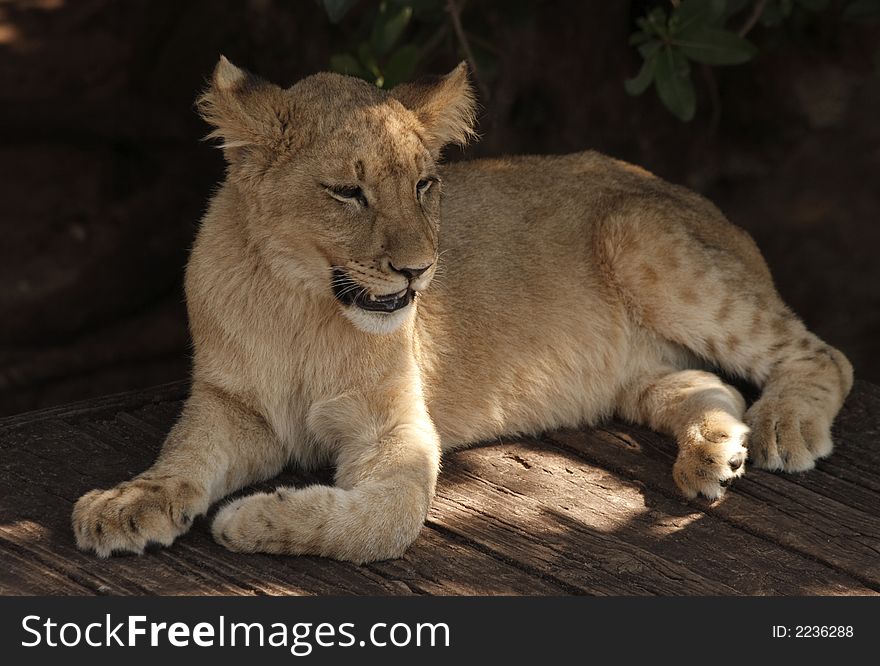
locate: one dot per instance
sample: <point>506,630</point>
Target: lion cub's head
<point>337,180</point>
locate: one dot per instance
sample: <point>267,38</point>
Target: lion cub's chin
<point>378,323</point>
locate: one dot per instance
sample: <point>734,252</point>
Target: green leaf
<point>645,26</point>
<point>640,83</point>
<point>655,23</point>
<point>345,63</point>
<point>390,24</point>
<point>428,9</point>
<point>657,16</point>
<point>674,86</point>
<point>649,49</point>
<point>716,47</point>
<point>337,9</point>
<point>637,38</point>
<point>696,14</point>
<point>368,60</point>
<point>859,10</point>
<point>401,65</point>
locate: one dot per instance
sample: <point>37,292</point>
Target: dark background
<point>103,176</point>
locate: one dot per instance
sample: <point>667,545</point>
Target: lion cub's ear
<point>445,107</point>
<point>250,116</point>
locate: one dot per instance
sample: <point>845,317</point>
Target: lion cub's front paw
<point>788,434</point>
<point>135,514</point>
<point>711,456</point>
<point>246,525</point>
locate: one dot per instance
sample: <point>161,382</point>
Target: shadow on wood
<point>577,512</point>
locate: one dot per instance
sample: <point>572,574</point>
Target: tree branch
<point>754,16</point>
<point>455,16</point>
<point>714,98</point>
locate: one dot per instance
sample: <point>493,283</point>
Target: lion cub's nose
<point>411,273</point>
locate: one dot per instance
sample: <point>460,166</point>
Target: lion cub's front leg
<point>216,447</point>
<point>704,415</point>
<point>387,469</point>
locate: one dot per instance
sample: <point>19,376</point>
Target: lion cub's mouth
<point>349,292</point>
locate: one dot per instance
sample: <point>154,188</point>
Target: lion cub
<point>563,290</point>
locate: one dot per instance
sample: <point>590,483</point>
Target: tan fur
<point>563,290</point>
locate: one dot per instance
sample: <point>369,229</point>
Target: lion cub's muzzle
<point>349,292</point>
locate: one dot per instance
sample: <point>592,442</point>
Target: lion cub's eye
<point>347,194</point>
<point>424,185</point>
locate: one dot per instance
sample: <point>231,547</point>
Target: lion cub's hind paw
<point>787,435</point>
<point>712,457</point>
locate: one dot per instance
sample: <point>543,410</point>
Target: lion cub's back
<point>534,216</point>
<point>536,195</point>
<point>555,208</point>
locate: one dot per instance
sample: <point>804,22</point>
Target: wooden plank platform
<point>592,512</point>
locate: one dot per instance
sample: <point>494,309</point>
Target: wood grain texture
<point>579,512</point>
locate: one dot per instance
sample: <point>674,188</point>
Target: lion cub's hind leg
<point>703,414</point>
<point>805,386</point>
<point>698,282</point>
